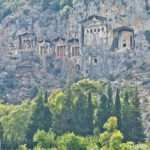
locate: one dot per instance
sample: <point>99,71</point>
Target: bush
<point>11,74</point>
<point>50,67</point>
<point>44,140</point>
<point>2,88</point>
<point>26,11</point>
<point>65,11</point>
<point>5,13</point>
<point>33,92</point>
<point>22,147</point>
<point>129,76</point>
<point>9,83</point>
<point>147,35</point>
<point>57,71</point>
<point>143,66</point>
<point>110,77</point>
<point>70,141</point>
<point>129,65</point>
<point>140,147</point>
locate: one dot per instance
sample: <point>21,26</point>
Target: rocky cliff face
<point>41,48</point>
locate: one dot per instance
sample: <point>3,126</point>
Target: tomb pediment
<point>59,40</point>
<point>44,42</point>
<point>123,28</point>
<point>73,41</point>
<point>94,20</point>
<point>27,35</point>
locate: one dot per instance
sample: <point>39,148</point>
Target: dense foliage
<point>82,117</point>
<point>9,6</point>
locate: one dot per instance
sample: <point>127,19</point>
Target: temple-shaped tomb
<point>43,48</point>
<point>123,38</point>
<point>27,41</point>
<point>74,47</point>
<point>60,47</point>
<point>95,31</point>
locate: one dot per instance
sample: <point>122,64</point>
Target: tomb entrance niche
<point>94,60</point>
<point>95,31</point>
<point>78,69</point>
<point>125,37</point>
<point>27,41</point>
<point>60,47</point>
<point>43,48</point>
<point>74,48</point>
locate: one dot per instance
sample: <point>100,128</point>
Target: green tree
<point>40,119</point>
<point>62,111</point>
<point>92,142</point>
<point>80,121</point>
<point>136,134</point>
<point>118,108</point>
<point>111,139</point>
<point>46,98</point>
<point>44,140</point>
<point>126,113</point>
<point>103,112</point>
<point>110,101</point>
<point>70,141</point>
<point>90,114</point>
<point>22,147</point>
<point>111,127</point>
<point>33,92</point>
<point>126,96</point>
<point>115,141</point>
<point>141,147</point>
<point>15,126</point>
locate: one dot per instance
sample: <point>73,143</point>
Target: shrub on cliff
<point>65,11</point>
<point>147,35</point>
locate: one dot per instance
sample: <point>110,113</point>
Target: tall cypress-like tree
<point>80,121</point>
<point>110,100</point>
<point>46,98</point>
<point>126,96</point>
<point>118,108</point>
<point>102,114</point>
<point>137,129</point>
<point>47,114</point>
<point>63,119</point>
<point>90,114</point>
<point>126,118</point>
<point>40,119</point>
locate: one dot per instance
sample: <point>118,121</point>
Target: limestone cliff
<point>98,39</point>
